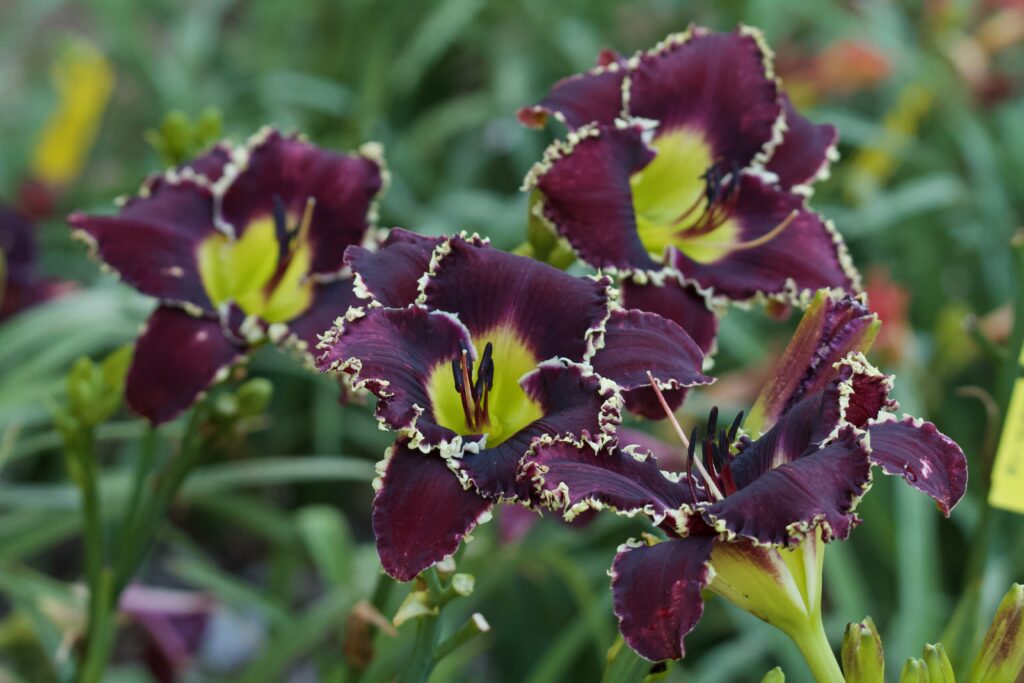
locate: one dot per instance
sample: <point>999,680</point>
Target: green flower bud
<point>774,676</point>
<point>939,668</point>
<point>95,391</point>
<point>254,396</point>
<point>1002,652</point>
<point>862,653</point>
<point>914,671</point>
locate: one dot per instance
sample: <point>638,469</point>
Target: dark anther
<point>280,225</point>
<point>457,373</point>
<point>735,428</point>
<point>723,449</point>
<point>474,395</point>
<point>713,421</point>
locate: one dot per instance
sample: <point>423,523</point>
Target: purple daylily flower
<point>238,246</point>
<point>686,166</point>
<point>746,507</point>
<point>475,356</point>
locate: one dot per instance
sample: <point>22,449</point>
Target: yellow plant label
<point>1007,490</point>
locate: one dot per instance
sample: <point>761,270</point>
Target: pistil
<point>716,455</point>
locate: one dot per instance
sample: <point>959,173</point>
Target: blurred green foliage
<point>280,533</point>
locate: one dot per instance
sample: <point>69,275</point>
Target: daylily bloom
<point>475,356</point>
<point>241,245</point>
<point>748,518</point>
<point>689,158</point>
<point>21,285</point>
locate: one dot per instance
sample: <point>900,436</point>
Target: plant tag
<point>1007,490</point>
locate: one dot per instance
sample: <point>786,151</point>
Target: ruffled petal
<point>573,479</point>
<point>681,302</point>
<point>152,241</point>
<point>421,512</point>
<point>393,352</point>
<point>806,255</point>
<point>331,300</point>
<point>177,358</point>
<point>549,311</point>
<point>211,163</point>
<point>719,85</point>
<point>587,198</point>
<point>806,150</point>
<point>833,326</point>
<point>782,505</point>
<point>574,405</point>
<point>657,594</point>
<point>591,97</point>
<point>635,343</point>
<point>926,458</point>
<point>342,187</point>
<point>857,394</point>
<point>390,275</point>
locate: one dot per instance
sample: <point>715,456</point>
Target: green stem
<point>143,465</point>
<point>817,651</point>
<point>624,665</point>
<point>422,662</point>
<point>138,537</point>
<point>473,627</point>
<point>102,631</point>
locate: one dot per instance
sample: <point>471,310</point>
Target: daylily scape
<point>678,184</point>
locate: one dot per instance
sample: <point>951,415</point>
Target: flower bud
<point>914,671</point>
<point>774,676</point>
<point>937,662</point>
<point>1002,652</point>
<point>254,396</point>
<point>95,391</point>
<point>863,657</point>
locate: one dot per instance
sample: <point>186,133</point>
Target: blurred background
<point>269,548</point>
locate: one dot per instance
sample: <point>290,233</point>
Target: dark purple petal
<point>832,327</point>
<point>391,274</point>
<point>636,343</point>
<point>806,150</point>
<point>782,505</point>
<point>20,284</point>
<point>657,594</point>
<point>808,254</point>
<point>926,458</point>
<point>587,197</point>
<point>152,240</point>
<point>591,97</point>
<point>211,163</point>
<point>572,479</point>
<point>421,512</point>
<point>343,187</point>
<point>574,405</point>
<point>717,84</point>
<point>857,394</point>
<point>331,300</point>
<point>551,312</point>
<point>393,352</point>
<point>679,301</point>
<point>17,243</point>
<point>177,358</point>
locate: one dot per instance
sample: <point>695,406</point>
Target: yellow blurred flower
<point>84,81</point>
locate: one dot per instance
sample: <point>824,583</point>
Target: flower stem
<point>422,662</point>
<point>817,651</point>
<point>624,665</point>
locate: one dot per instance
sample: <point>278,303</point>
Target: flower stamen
<point>690,444</point>
<point>475,395</point>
